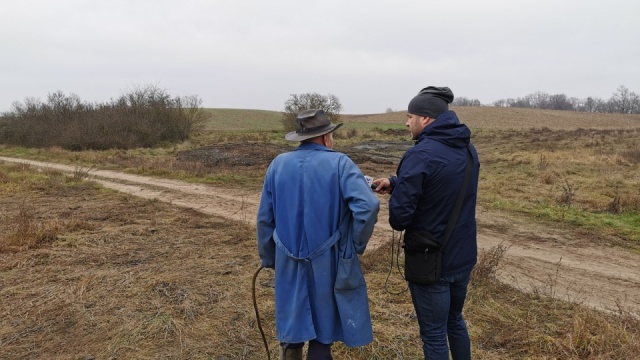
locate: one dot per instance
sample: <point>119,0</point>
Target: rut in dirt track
<point>550,261</point>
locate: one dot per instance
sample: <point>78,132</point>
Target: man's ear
<point>428,120</point>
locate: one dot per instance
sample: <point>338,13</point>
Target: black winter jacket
<point>429,179</point>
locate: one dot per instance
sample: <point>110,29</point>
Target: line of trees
<point>622,101</point>
<point>145,117</point>
<point>463,101</point>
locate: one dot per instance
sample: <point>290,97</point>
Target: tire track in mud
<point>551,262</point>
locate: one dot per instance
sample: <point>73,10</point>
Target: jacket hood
<point>448,130</point>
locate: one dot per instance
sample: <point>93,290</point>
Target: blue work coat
<point>430,176</point>
<point>316,213</point>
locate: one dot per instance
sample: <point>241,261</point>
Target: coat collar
<point>312,146</point>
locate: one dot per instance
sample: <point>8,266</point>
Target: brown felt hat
<point>311,123</point>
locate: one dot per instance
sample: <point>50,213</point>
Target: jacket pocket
<point>349,275</point>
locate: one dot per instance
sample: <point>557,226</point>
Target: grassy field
<point>89,273</point>
<point>480,117</point>
<point>576,168</point>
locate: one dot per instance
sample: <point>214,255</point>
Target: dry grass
<point>141,279</point>
<point>516,328</point>
<point>492,118</point>
<point>26,232</point>
<point>585,177</point>
<point>27,228</point>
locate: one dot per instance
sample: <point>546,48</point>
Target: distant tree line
<point>463,101</point>
<point>145,117</point>
<point>623,101</point>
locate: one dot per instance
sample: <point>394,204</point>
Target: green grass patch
<point>625,224</point>
<point>232,180</point>
<point>19,151</point>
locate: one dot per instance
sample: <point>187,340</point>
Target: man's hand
<point>383,186</point>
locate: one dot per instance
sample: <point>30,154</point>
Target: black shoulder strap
<point>453,218</point>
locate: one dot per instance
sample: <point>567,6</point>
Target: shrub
<point>568,194</point>
<point>145,117</point>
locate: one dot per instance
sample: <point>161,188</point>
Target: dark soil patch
<point>234,154</point>
<point>377,152</point>
<point>256,154</point>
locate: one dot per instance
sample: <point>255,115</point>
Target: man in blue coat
<point>429,179</point>
<point>316,214</point>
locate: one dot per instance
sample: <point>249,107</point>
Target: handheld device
<point>370,182</point>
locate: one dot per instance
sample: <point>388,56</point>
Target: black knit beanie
<point>431,101</point>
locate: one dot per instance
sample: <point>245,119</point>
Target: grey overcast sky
<point>372,54</point>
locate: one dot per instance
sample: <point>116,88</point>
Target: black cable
<point>393,245</point>
<point>255,307</point>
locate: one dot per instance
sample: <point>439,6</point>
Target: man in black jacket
<point>429,179</point>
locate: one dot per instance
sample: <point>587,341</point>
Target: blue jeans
<point>439,310</point>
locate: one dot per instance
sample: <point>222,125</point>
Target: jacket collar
<point>312,146</point>
<point>448,130</point>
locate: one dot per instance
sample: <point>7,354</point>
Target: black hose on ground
<point>255,307</point>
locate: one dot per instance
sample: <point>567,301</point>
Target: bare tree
<point>559,102</point>
<point>519,102</point>
<point>539,100</point>
<point>300,102</point>
<point>592,104</point>
<point>576,103</point>
<point>500,103</point>
<point>624,101</point>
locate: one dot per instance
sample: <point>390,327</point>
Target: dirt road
<point>562,263</point>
